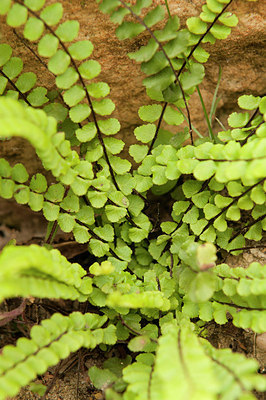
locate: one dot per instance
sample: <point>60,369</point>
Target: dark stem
<point>237,306</point>
<point>15,87</point>
<point>157,128</point>
<point>263,246</point>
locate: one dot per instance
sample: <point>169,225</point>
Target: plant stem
<point>206,115</point>
<point>167,8</point>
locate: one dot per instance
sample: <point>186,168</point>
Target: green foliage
<point>157,280</point>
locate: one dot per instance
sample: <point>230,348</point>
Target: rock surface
<point>241,57</point>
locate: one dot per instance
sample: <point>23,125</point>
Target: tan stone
<point>241,57</point>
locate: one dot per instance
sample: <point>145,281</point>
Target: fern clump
<point>156,281</point>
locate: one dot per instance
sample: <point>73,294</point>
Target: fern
<point>157,281</point>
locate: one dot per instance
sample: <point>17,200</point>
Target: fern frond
<point>36,271</point>
<point>49,342</point>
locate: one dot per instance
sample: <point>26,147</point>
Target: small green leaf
<point>52,14</point>
<point>202,287</point>
<point>172,116</point>
<point>258,195</point>
<point>180,207</point>
<point>5,53</point>
<point>145,53</point>
<point>128,30</point>
<point>66,222</point>
<point>67,79</point>
<point>191,215</point>
<point>220,31</point>
<point>59,62</point>
<point>160,80</point>
<point>86,215</point>
<point>210,211</point>
<point>233,213</point>
<point>138,152</point>
<point>17,15</point>
<point>55,193</point>
<point>238,120</point>
<point>193,77</point>
<point>101,378</point>
<point>220,223</point>
<point>3,84</point>
<point>48,45</point>
<point>74,95</point>
<point>178,45</point>
<point>87,132</point>
<point>19,173</point>
<point>248,102</point>
<point>13,67</point>
<point>37,97</point>
<point>154,16</point>
<point>222,201</point>
<point>138,343</point>
<point>114,213</point>
<point>214,6</point>
<point>99,89</point>
<point>7,188</point>
<point>105,268</point>
<point>36,201</point>
<point>145,133</point>
<point>81,234</point>
<point>26,82</point>
<point>150,113</point>
<point>204,170</point>
<point>38,183</point>
<point>114,146</point>
<point>206,256</point>
<point>262,106</point>
<point>34,5</point>
<point>228,19</point>
<point>106,232</point>
<point>169,31</point>
<point>68,31</point>
<point>103,107</point>
<point>90,69</point>
<point>109,126</point>
<point>81,50</point>
<point>79,112</point>
<point>70,203</point>
<point>50,211</point>
<point>196,25</point>
<point>191,187</point>
<point>56,110</point>
<point>207,15</point>
<point>4,6</point>
<point>22,194</point>
<point>33,29</point>
<point>98,248</point>
<point>39,388</point>
<point>201,55</point>
<point>120,165</point>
